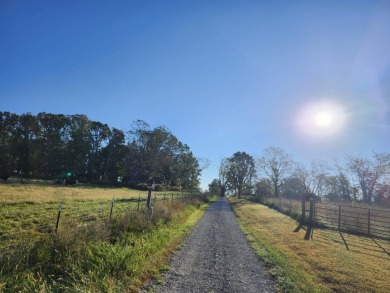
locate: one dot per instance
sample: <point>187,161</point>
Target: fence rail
<point>363,220</point>
<point>373,222</point>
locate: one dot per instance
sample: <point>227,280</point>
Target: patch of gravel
<point>216,258</point>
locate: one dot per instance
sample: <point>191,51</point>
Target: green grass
<point>89,253</point>
<point>329,262</point>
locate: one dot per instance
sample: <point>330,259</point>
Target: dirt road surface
<point>216,258</point>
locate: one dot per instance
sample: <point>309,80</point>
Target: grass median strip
<point>329,262</point>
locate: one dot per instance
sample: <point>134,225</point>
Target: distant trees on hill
<point>50,146</point>
<point>277,174</point>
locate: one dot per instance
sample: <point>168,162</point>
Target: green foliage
<point>215,187</point>
<point>239,172</point>
<point>48,145</point>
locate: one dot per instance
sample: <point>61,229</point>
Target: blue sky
<point>312,77</point>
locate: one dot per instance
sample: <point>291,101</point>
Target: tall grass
<point>98,256</point>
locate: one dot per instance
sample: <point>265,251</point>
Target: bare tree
<point>223,178</point>
<point>276,164</point>
<point>313,179</point>
<point>369,172</point>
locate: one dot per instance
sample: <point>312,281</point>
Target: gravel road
<point>216,258</point>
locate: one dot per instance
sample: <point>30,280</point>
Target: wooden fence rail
<point>372,222</point>
<point>363,220</point>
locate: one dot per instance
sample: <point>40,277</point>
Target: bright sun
<point>322,119</point>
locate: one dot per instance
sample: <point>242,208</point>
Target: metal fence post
<point>112,206</point>
<point>58,216</point>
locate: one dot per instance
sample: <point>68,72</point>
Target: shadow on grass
<point>369,246</point>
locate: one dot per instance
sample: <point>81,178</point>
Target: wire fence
<point>25,220</point>
<point>363,219</point>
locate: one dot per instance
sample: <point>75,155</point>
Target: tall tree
<point>52,144</point>
<point>313,179</point>
<point>98,134</point>
<point>214,187</point>
<point>276,164</point>
<point>159,154</point>
<point>241,172</point>
<point>26,132</point>
<point>223,176</point>
<point>79,145</point>
<point>8,122</point>
<point>113,156</point>
<point>263,187</point>
<point>369,172</point>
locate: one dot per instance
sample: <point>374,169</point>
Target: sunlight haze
<point>311,77</point>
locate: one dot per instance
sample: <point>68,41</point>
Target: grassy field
<point>329,262</point>
<point>16,193</point>
<point>33,208</point>
<point>89,253</point>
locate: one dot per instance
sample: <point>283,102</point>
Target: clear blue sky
<point>312,77</point>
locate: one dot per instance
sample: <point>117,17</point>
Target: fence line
<point>61,213</point>
<point>372,222</point>
<point>362,220</point>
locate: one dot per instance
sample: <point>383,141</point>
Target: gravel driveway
<point>216,258</point>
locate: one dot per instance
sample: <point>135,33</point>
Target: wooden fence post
<point>339,217</point>
<point>311,212</point>
<point>303,209</point>
<point>310,222</point>
<point>139,200</point>
<point>58,216</point>
<point>112,206</point>
<point>369,221</point>
<point>148,199</point>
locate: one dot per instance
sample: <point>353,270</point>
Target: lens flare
<point>321,120</point>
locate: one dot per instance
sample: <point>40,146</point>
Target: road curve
<point>216,258</point>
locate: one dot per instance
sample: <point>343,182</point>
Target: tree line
<point>277,174</point>
<point>54,146</point>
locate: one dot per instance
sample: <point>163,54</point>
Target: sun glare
<point>321,120</point>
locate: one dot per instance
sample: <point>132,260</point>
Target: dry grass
<point>329,262</point>
<point>40,193</point>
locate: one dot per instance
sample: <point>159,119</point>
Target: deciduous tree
<point>369,172</point>
<point>276,164</point>
<point>241,172</point>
